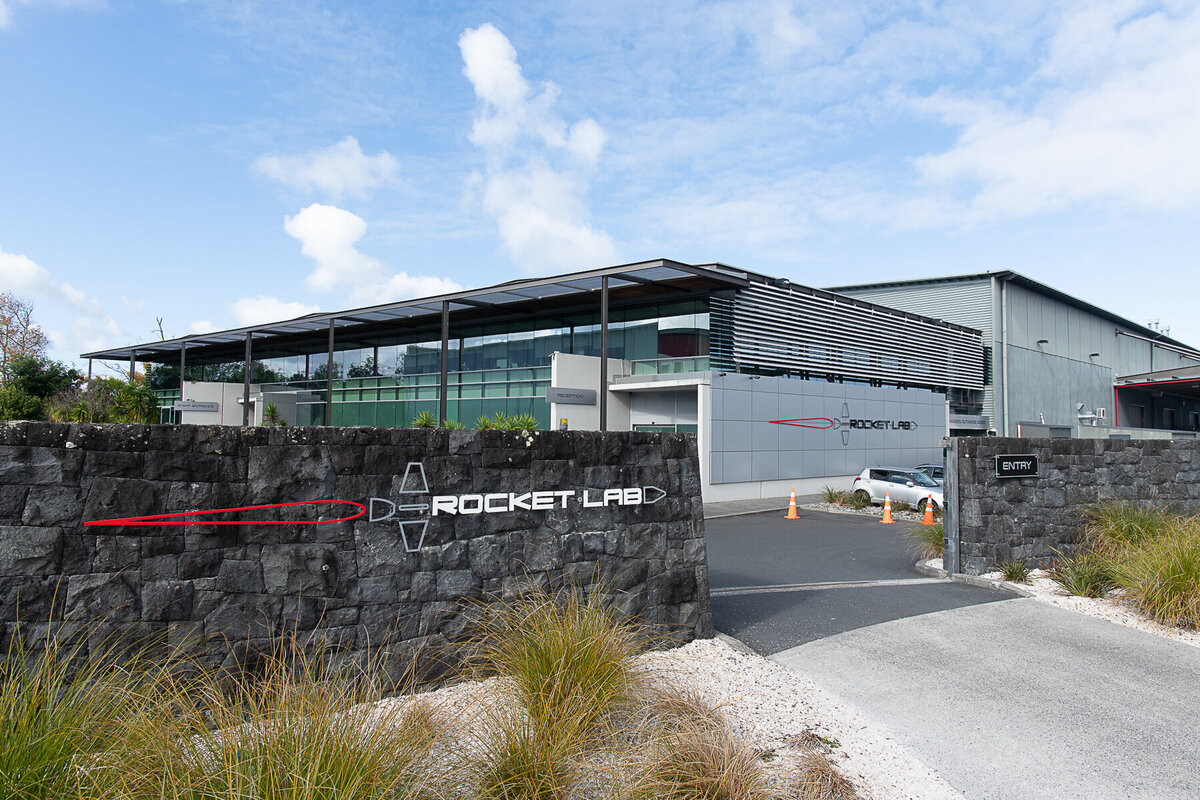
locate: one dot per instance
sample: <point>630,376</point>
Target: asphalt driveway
<point>778,583</point>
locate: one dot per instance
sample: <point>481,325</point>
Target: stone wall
<point>234,589</point>
<point>1030,518</point>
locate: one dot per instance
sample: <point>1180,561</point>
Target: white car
<point>902,483</point>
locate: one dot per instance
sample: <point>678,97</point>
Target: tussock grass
<point>834,496</point>
<point>57,707</point>
<point>293,732</point>
<point>1114,526</point>
<point>1014,570</point>
<point>566,656</point>
<point>818,779</point>
<point>925,541</point>
<point>901,505</point>
<point>702,762</point>
<point>858,500</point>
<point>1162,577</point>
<point>1086,573</point>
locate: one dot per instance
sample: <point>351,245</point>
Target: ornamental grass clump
<point>293,732</point>
<point>926,541</point>
<point>833,496</point>
<point>566,656</point>
<point>57,708</point>
<point>1087,573</point>
<point>702,762</point>
<point>1115,526</point>
<point>818,779</point>
<point>1014,570</point>
<point>1162,577</point>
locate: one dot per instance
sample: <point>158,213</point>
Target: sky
<point>213,164</point>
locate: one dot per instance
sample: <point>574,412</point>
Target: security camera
<point>1079,406</point>
<point>992,432</point>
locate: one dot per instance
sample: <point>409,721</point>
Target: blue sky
<point>226,163</point>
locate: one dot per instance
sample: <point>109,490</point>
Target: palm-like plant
<point>425,419</point>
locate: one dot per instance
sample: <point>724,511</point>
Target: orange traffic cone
<point>887,510</point>
<point>792,507</point>
<point>928,518</point>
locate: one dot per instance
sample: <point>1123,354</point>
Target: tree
<point>40,377</point>
<point>19,336</point>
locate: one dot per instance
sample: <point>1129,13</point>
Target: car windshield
<point>921,479</point>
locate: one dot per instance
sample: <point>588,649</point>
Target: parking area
<point>779,583</point>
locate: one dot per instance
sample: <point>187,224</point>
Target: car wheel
<point>864,496</point>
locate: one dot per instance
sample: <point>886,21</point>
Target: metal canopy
<point>314,329</point>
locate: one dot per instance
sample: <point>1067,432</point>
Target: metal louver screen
<point>779,328</point>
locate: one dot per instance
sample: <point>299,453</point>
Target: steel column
<point>182,366</point>
<point>246,384</point>
<point>329,379</point>
<point>604,353</point>
<point>89,370</point>
<point>132,360</point>
<point>444,382</point>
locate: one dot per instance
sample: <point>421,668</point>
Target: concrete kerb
<point>971,580</point>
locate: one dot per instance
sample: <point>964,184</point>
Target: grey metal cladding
<point>780,328</point>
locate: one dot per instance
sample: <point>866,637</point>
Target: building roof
<point>648,280</point>
<point>1027,283</point>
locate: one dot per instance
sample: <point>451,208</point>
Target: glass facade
<point>504,367</point>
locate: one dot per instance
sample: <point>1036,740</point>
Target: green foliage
<point>1014,570</point>
<point>926,540</point>
<point>901,505</point>
<point>135,402</point>
<point>425,419</point>
<point>834,496</point>
<point>91,403</point>
<point>1086,573</point>
<point>453,425</point>
<point>858,500</point>
<point>39,377</point>
<point>523,422</point>
<point>272,418</point>
<point>485,423</point>
<point>16,404</point>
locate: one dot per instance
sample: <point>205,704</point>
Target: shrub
<point>926,540</point>
<point>833,496</point>
<point>485,423</point>
<point>453,425</point>
<point>1014,570</point>
<point>523,422</point>
<point>1085,574</point>
<point>1163,577</point>
<point>901,505</point>
<point>859,500</point>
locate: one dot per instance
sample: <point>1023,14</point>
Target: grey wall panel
<point>750,447</point>
<point>967,303</point>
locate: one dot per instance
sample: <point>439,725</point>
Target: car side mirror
<point>909,483</point>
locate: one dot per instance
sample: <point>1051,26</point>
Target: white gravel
<point>771,709</point>
<point>1113,607</point>
<point>865,511</point>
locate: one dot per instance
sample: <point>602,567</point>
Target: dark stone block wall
<point>1030,518</point>
<point>230,590</point>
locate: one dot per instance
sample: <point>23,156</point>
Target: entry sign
<point>578,397</point>
<point>195,405</point>
<point>1020,466</point>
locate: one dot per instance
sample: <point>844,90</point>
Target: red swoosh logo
<point>803,422</point>
<point>192,517</point>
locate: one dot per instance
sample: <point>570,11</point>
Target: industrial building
<point>1056,365</point>
<point>783,385</point>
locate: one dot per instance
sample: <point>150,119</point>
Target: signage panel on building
<point>1017,466</point>
<point>196,405</point>
<point>968,422</point>
<point>578,397</point>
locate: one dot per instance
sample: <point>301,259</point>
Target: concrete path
<point>1024,700</point>
<point>733,508</point>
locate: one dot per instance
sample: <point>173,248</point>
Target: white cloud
<point>540,218</point>
<point>201,326</point>
<point>262,308</point>
<point>338,170</point>
<point>328,235</point>
<point>1122,131</point>
<point>539,208</point>
<point>6,6</point>
<point>77,321</point>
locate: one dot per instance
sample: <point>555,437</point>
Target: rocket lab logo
<point>846,424</point>
<point>422,505</point>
